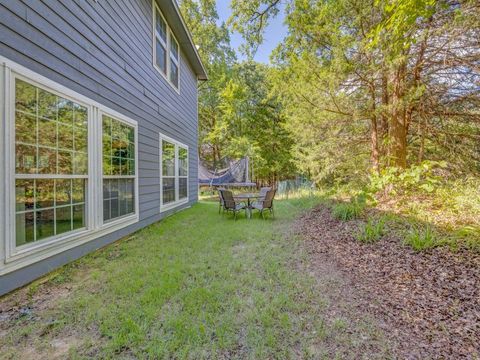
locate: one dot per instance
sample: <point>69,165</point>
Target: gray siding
<point>103,50</point>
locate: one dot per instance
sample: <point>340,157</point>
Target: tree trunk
<point>398,126</point>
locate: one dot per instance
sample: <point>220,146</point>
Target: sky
<point>274,33</point>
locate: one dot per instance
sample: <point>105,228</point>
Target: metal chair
<point>220,197</point>
<point>265,204</point>
<point>229,203</point>
<point>263,192</point>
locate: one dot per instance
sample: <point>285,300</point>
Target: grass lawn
<point>196,285</point>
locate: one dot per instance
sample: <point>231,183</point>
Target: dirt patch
<point>428,303</point>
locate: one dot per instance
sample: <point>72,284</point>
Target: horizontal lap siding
<point>103,50</point>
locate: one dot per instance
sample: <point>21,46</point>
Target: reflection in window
<point>118,168</point>
<point>174,172</point>
<point>51,135</point>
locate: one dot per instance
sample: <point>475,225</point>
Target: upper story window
<point>166,51</point>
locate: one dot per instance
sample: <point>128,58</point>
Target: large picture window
<point>166,51</point>
<point>51,136</point>
<point>118,168</point>
<point>59,148</point>
<point>174,173</point>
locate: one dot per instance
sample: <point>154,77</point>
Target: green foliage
<point>418,178</point>
<point>372,231</point>
<point>421,239</point>
<point>349,210</point>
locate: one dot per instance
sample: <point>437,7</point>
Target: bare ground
<point>427,303</point>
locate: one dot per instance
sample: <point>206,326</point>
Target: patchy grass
<point>197,285</point>
<point>347,210</point>
<point>371,231</point>
<point>421,239</point>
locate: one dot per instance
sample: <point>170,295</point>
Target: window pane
<point>45,190</point>
<point>161,27</point>
<point>168,159</point>
<point>161,56</point>
<point>80,116</point>
<point>47,161</point>
<point>63,192</point>
<point>65,136</point>
<point>24,229</point>
<point>25,159</point>
<point>182,161</point>
<point>118,198</point>
<point>174,74</point>
<point>65,111</point>
<point>168,190</point>
<point>80,163</point>
<point>25,97</point>
<point>63,219</point>
<point>78,216</point>
<point>174,48</point>
<point>182,188</point>
<point>80,139</point>
<point>25,129</point>
<point>78,190</point>
<point>45,224</point>
<point>47,104</point>
<point>47,133</point>
<point>65,162</point>
<point>24,195</point>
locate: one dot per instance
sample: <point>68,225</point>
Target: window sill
<point>170,206</point>
<point>30,254</point>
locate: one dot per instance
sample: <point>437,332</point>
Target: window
<point>51,175</point>
<point>174,62</point>
<point>174,173</point>
<point>161,42</point>
<point>118,168</point>
<point>166,51</point>
<point>60,147</point>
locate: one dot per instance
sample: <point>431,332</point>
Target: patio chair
<point>229,203</point>
<point>265,204</point>
<point>263,192</point>
<point>220,198</point>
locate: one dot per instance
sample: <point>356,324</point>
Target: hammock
<point>235,174</point>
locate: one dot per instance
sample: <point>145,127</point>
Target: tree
<point>390,78</point>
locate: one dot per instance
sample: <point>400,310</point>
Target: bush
<point>421,239</point>
<point>348,211</point>
<point>372,231</point>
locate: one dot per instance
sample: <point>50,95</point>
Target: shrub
<point>372,231</point>
<point>421,239</point>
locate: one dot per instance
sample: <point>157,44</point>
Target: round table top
<point>246,196</point>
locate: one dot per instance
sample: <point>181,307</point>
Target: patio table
<point>248,197</point>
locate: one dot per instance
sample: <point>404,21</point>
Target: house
<point>99,122</point>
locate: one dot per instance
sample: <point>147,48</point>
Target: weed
<point>348,211</point>
<point>421,239</point>
<point>372,231</point>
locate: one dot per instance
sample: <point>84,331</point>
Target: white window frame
<point>178,201</point>
<point>14,257</point>
<point>170,37</point>
<point>118,220</point>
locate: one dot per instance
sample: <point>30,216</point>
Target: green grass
<point>196,285</point>
<point>421,239</point>
<point>348,210</point>
<point>372,231</point>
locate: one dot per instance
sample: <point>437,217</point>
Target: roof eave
<point>172,13</point>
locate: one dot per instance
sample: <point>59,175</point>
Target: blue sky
<point>274,33</point>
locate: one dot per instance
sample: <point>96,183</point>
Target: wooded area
<point>373,97</point>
